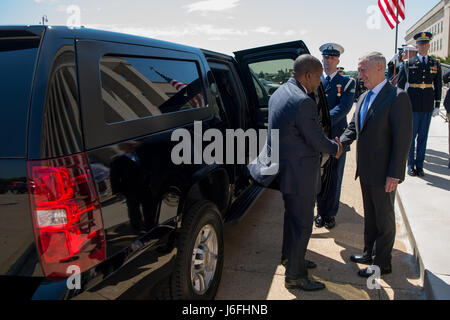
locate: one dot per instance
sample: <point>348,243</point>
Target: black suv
<point>91,204</point>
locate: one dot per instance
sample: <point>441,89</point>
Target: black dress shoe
<point>412,172</point>
<point>309,264</point>
<point>330,222</point>
<point>361,258</point>
<point>320,222</point>
<point>419,172</point>
<point>303,284</point>
<point>365,273</point>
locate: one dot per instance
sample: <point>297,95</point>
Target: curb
<point>432,285</point>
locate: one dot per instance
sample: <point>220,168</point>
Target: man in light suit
<point>382,127</point>
<point>301,139</point>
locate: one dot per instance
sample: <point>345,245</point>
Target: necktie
<point>328,78</point>
<point>362,113</point>
<point>424,61</point>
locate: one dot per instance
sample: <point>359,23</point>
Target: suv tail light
<point>66,214</point>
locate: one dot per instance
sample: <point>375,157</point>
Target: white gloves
<point>435,112</point>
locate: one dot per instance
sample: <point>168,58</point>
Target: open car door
<point>263,70</point>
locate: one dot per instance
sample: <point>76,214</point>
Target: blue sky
<point>230,25</point>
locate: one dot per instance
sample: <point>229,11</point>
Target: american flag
<point>196,102</point>
<point>389,10</point>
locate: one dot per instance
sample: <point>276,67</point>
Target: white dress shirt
<point>331,75</point>
<point>376,91</point>
<point>422,57</point>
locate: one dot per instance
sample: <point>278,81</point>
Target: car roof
<point>101,35</point>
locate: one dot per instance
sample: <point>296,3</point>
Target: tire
<point>203,221</point>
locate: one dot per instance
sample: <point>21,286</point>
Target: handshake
<point>340,149</point>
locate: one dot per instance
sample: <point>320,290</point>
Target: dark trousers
<point>379,223</point>
<point>329,204</point>
<point>297,229</point>
<point>421,127</point>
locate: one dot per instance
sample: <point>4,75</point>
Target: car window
<point>61,126</point>
<point>268,77</point>
<point>135,88</point>
<point>17,60</point>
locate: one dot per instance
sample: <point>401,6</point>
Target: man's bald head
<point>307,63</point>
<point>307,71</point>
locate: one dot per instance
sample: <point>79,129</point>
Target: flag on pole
<point>389,10</point>
<point>196,102</point>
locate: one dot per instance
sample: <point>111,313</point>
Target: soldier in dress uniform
<point>340,93</point>
<point>394,66</point>
<point>408,53</point>
<point>341,71</point>
<point>360,88</point>
<point>421,76</point>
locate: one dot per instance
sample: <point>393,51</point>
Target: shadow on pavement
<point>437,162</point>
<point>340,274</point>
<point>252,267</point>
<point>440,289</point>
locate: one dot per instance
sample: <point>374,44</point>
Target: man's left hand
<point>435,112</point>
<point>391,184</point>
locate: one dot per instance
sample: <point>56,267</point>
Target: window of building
<point>135,88</point>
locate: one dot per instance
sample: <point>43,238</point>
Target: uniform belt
<point>421,85</point>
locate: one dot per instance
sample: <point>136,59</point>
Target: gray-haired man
<point>382,128</point>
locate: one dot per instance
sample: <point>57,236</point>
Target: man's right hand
<point>340,149</point>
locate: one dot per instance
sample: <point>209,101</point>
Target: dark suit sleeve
<point>349,134</point>
<point>438,86</point>
<point>402,76</point>
<point>447,77</point>
<point>401,119</point>
<point>340,111</point>
<point>447,96</point>
<point>308,125</point>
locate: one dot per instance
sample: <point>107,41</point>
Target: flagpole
<point>396,40</point>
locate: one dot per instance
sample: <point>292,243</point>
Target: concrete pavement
<point>425,204</point>
<point>252,267</point>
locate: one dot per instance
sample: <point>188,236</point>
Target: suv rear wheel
<point>200,257</point>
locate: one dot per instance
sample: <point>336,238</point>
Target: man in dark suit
<point>301,139</point>
<point>421,76</point>
<point>340,93</point>
<point>382,127</point>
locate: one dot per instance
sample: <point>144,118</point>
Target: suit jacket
<point>301,139</point>
<point>384,140</point>
<point>447,96</point>
<point>340,97</point>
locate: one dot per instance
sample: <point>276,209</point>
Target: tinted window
<point>268,76</point>
<point>134,88</point>
<point>17,60</point>
<point>61,128</point>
